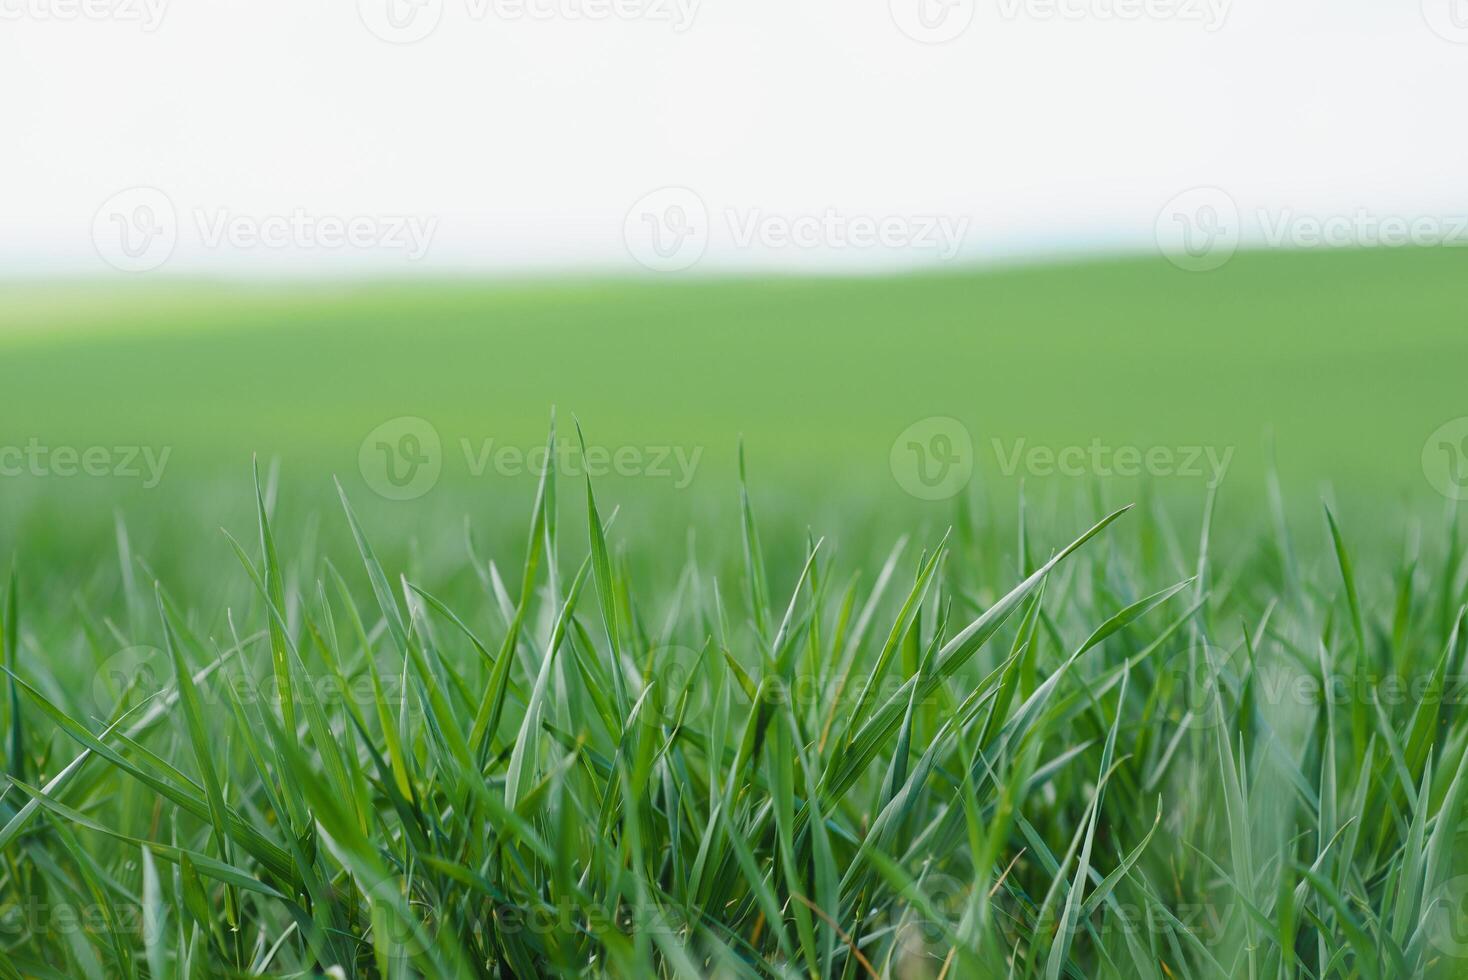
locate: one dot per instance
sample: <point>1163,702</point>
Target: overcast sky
<point>499,136</point>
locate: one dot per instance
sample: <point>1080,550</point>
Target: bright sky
<point>269,136</point>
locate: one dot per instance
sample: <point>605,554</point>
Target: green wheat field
<point>1092,620</point>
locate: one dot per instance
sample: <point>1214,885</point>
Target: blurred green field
<point>1351,358</point>
<point>1178,747</point>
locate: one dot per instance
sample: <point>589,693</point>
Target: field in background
<point>1353,359</point>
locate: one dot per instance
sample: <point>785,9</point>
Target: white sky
<point>521,144</point>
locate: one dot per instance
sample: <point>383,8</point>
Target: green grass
<point>785,722</point>
<point>1085,747</point>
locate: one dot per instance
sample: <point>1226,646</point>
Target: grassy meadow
<point>1099,620</point>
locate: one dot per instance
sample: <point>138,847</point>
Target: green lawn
<point>889,706</point>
